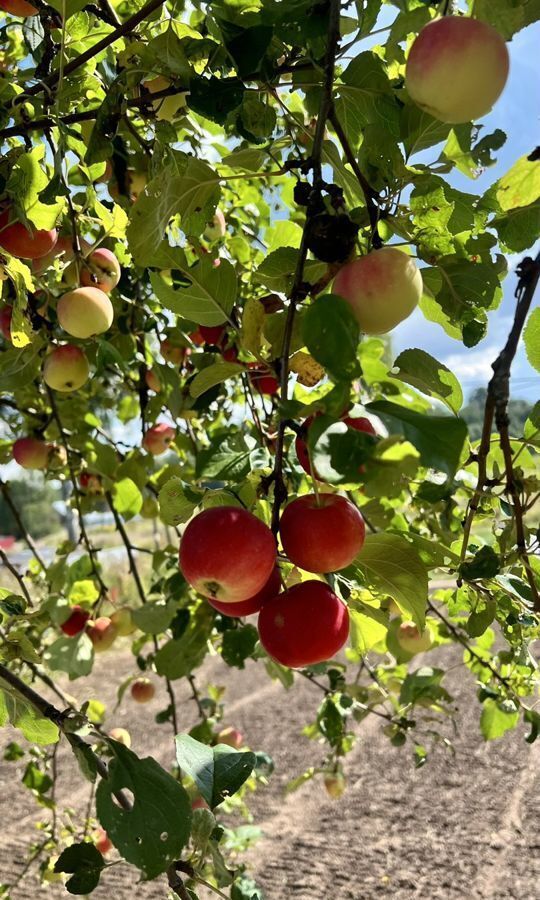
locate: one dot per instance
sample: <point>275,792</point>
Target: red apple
<point>305,625</point>
<point>172,353</point>
<point>253,605</point>
<point>230,354</point>
<point>227,554</point>
<point>152,380</point>
<point>90,483</point>
<point>230,736</point>
<point>31,453</point>
<point>382,288</point>
<point>103,842</point>
<point>20,241</point>
<point>66,368</point>
<point>121,735</point>
<point>18,8</point>
<point>322,534</point>
<point>101,270</point>
<point>158,438</point>
<point>6,314</point>
<point>142,690</point>
<point>102,633</point>
<point>212,334</point>
<point>263,379</point>
<point>63,248</point>
<point>85,312</point>
<point>359,423</point>
<point>457,68</point>
<point>199,803</point>
<point>76,621</point>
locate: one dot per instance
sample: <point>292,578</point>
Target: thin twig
<point>17,576</point>
<point>6,493</point>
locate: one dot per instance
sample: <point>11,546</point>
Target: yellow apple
<point>85,312</point>
<point>66,368</point>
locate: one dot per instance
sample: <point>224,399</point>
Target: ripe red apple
<point>335,784</point>
<point>121,735</point>
<point>230,354</point>
<point>411,639</point>
<point>142,690</point>
<point>102,633</point>
<point>216,228</point>
<point>90,483</point>
<point>382,288</point>
<point>122,619</point>
<point>263,379</point>
<point>254,604</point>
<point>457,68</point>
<point>359,423</point>
<point>75,622</point>
<point>158,438</point>
<point>101,270</point>
<point>66,368</point>
<point>103,842</point>
<point>18,8</point>
<point>172,353</point>
<point>199,803</point>
<point>6,314</point>
<point>322,535</point>
<point>85,312</point>
<point>20,241</point>
<point>227,554</point>
<point>152,380</point>
<point>212,334</point>
<point>31,453</point>
<point>305,625</point>
<point>197,338</point>
<point>230,736</point>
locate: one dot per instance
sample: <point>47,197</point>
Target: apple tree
<point>212,216</point>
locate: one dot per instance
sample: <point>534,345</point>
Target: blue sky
<point>517,114</point>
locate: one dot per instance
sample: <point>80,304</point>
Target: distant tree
<point>473,413</point>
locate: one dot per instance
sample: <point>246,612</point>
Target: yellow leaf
<point>309,371</point>
<point>252,326</point>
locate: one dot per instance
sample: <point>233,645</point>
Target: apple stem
<point>313,477</point>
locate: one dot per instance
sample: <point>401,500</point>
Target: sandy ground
<point>463,826</point>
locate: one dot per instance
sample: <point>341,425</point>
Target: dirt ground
<point>463,826</point>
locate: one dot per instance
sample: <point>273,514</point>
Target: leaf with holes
<point>218,771</point>
<point>154,833</point>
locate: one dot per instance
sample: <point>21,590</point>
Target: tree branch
<point>4,487</point>
<point>17,576</point>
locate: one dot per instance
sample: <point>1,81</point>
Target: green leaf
<point>422,685</point>
<point>85,862</point>
<point>155,616</point>
<point>217,771</point>
<point>207,294</point>
<point>438,439</point>
<point>531,337</point>
<point>339,452</point>
<point>177,502</point>
<point>127,498</point>
<point>366,97</point>
<point>73,655</point>
<point>485,564</point>
<point>178,658</point>
<point>507,17</point>
<point>392,566</point>
<point>520,186</point>
<point>212,375</point>
<point>497,719</point>
<point>155,831</point>
<point>426,373</point>
<point>332,334</point>
<point>367,629</point>
<point>15,709</point>
<point>26,181</point>
<point>276,272</point>
<point>238,645</point>
<point>518,228</point>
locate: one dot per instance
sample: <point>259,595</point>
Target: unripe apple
<point>103,842</point>
<point>263,379</point>
<point>457,68</point>
<point>230,736</point>
<point>18,8</point>
<point>101,270</point>
<point>158,438</point>
<point>247,607</point>
<point>31,453</point>
<point>358,423</point>
<point>90,483</point>
<point>227,554</point>
<point>152,380</point>
<point>6,314</point>
<point>382,288</point>
<point>121,735</point>
<point>85,312</point>
<point>322,534</point>
<point>123,621</point>
<point>335,784</point>
<point>102,633</point>
<point>66,368</point>
<point>212,334</point>
<point>76,621</point>
<point>216,228</point>
<point>411,639</point>
<point>23,243</point>
<point>142,690</point>
<point>166,108</point>
<point>172,353</point>
<point>304,625</point>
